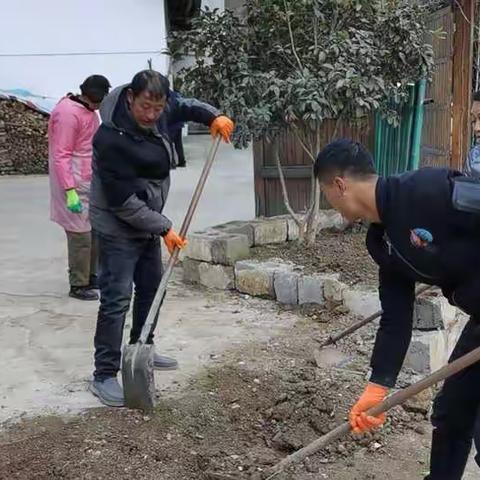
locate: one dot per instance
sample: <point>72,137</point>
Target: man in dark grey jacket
<point>130,184</point>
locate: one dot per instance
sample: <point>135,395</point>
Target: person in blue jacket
<point>424,227</point>
<point>175,132</point>
<point>472,162</point>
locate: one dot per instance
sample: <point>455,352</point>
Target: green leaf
<point>247,67</point>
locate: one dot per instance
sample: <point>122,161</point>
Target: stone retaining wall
<point>218,258</point>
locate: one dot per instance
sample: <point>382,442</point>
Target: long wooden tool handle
<point>397,398</point>
<point>162,288</point>
<point>353,328</point>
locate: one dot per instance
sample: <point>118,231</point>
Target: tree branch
<point>291,35</point>
<point>286,201</point>
<point>462,11</point>
<point>302,143</point>
<point>337,125</point>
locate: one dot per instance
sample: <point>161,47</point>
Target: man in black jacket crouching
<point>425,227</point>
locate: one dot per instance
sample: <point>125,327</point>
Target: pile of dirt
<point>24,143</point>
<point>233,422</point>
<point>339,252</point>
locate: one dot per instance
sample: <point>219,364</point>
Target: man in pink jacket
<point>71,128</point>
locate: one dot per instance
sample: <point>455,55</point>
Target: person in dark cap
<point>72,125</point>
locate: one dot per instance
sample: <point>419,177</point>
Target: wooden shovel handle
<point>162,288</point>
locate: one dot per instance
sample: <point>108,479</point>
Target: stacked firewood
<point>23,139</point>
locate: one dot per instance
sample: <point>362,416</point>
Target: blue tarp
<point>36,102</point>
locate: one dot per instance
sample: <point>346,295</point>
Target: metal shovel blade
<point>137,376</point>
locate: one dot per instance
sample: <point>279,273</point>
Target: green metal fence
<point>397,149</point>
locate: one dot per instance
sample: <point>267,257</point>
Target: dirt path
<point>46,344</point>
<point>256,403</point>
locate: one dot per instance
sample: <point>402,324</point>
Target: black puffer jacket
<point>131,166</point>
<point>419,200</point>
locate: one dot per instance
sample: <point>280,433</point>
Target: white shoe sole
<point>175,367</point>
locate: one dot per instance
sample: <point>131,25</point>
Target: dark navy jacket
<point>419,199</point>
<point>131,166</point>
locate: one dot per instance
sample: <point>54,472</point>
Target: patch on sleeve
<point>420,237</point>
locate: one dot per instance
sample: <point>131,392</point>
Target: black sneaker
<point>83,293</point>
<point>181,164</point>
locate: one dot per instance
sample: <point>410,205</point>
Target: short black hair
<point>151,81</point>
<point>476,96</point>
<point>344,158</point>
<point>95,87</point>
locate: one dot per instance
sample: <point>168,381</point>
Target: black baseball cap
<point>95,87</point>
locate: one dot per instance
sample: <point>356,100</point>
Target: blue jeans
<point>124,263</point>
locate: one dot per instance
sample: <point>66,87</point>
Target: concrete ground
<point>46,338</point>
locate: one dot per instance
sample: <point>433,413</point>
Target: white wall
<point>69,26</point>
<point>211,4</point>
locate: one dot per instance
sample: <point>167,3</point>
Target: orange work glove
<point>222,126</point>
<point>371,397</point>
<point>172,240</point>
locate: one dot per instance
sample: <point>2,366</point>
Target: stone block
<point>199,246</point>
<point>221,277</point>
<point>310,289</point>
<point>217,247</point>
<point>229,248</point>
<point>293,231</point>
<point>238,228</point>
<point>361,302</point>
<point>421,403</point>
<point>267,231</point>
<point>257,278</point>
<point>432,313</point>
<point>285,284</point>
<point>333,289</point>
<point>209,275</point>
<point>191,273</point>
<point>428,351</point>
<point>331,219</point>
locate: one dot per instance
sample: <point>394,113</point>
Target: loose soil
<point>233,421</point>
<point>339,252</point>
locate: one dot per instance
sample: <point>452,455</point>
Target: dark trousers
<point>124,263</point>
<point>455,417</point>
<point>178,143</point>
<point>82,258</point>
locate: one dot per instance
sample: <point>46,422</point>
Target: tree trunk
<point>300,222</point>
<point>313,218</point>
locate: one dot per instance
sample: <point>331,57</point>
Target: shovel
<point>326,357</point>
<point>137,359</point>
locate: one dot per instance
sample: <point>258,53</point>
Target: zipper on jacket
<point>392,247</point>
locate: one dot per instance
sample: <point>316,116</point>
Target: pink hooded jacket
<point>70,133</point>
